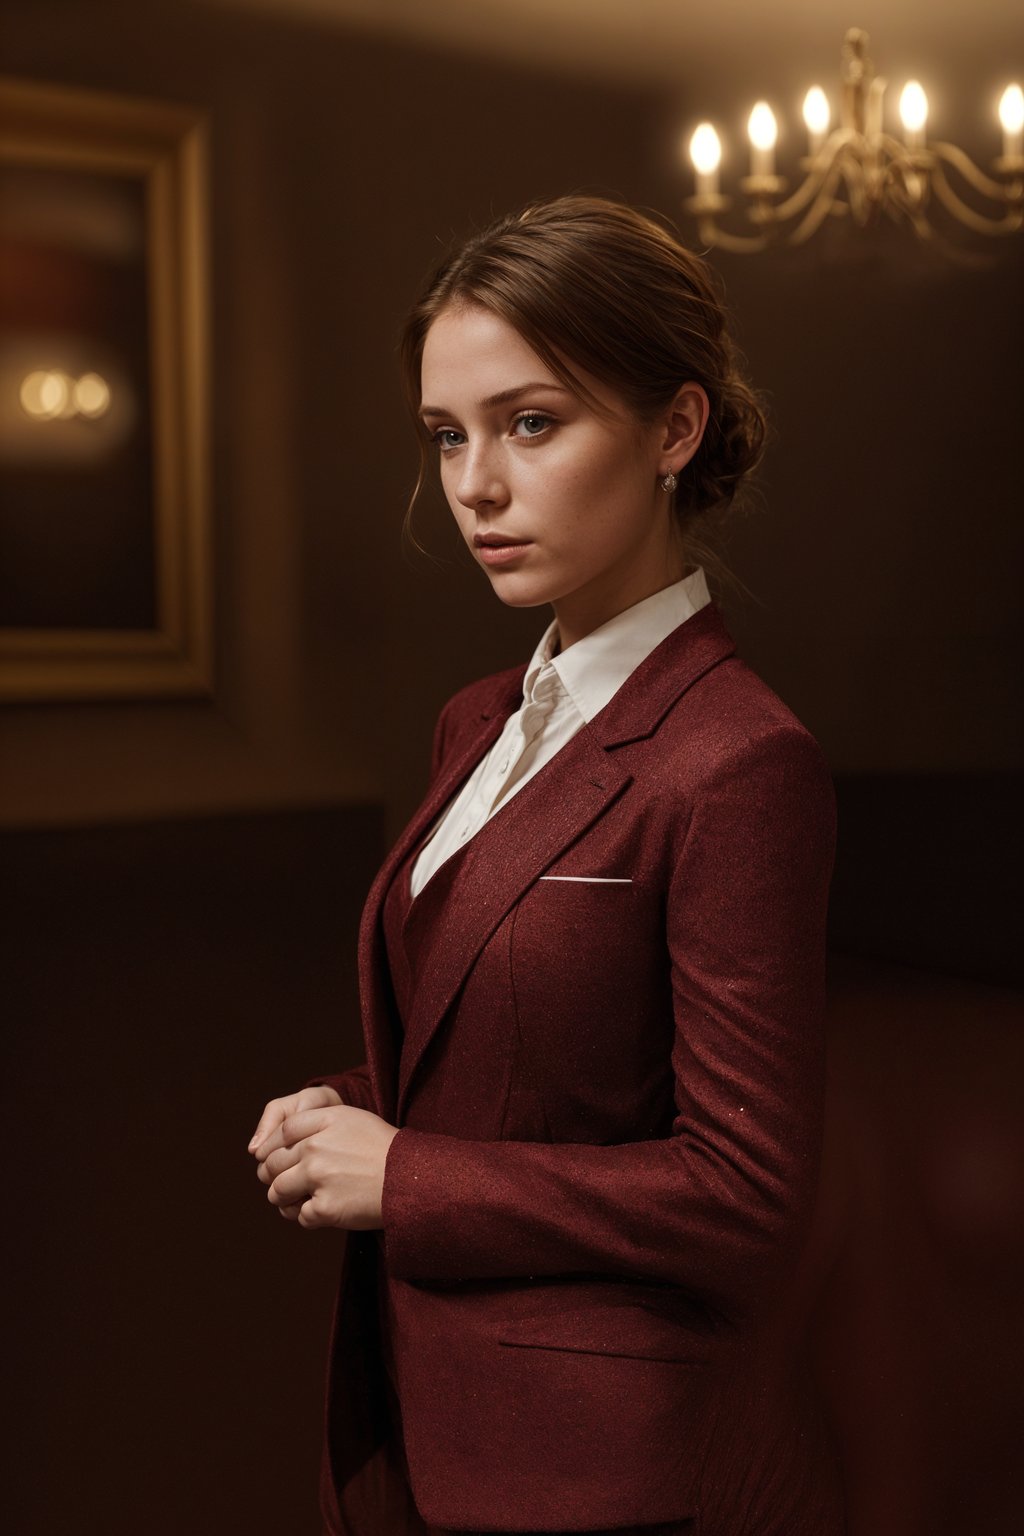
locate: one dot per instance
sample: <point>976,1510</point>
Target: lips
<point>497,549</point>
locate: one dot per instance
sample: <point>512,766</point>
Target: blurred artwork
<point>104,571</point>
<point>77,545</point>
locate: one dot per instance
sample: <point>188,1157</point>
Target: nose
<point>481,479</point>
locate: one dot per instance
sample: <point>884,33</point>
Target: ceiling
<point>952,44</point>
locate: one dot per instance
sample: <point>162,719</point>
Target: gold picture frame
<point>149,634</point>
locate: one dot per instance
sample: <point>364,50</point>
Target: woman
<point>592,969</point>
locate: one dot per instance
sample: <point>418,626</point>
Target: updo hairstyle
<point>594,285</point>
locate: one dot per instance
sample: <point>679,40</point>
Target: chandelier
<point>859,171</point>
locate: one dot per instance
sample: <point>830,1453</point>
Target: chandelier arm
<point>1009,224</point>
<point>819,187</point>
<point>713,235</point>
<point>894,148</point>
<point>907,186</point>
<point>997,190</point>
<point>860,198</point>
<point>808,191</point>
<point>915,214</point>
<point>820,208</point>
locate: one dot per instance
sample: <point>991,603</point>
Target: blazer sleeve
<point>352,1087</point>
<point>722,1204</point>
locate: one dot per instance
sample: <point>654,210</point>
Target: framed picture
<point>105,564</point>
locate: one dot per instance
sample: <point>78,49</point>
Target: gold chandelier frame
<point>859,171</point>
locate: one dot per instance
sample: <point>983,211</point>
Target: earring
<point>669,483</point>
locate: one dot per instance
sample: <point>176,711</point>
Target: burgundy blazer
<point>609,1098</point>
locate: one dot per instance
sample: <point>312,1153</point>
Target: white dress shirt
<point>561,694</point>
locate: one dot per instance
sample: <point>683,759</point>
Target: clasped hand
<point>322,1160</point>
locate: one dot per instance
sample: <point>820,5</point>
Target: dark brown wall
<point>887,565</point>
<point>341,167</point>
<point>887,568</point>
<point>165,1330</point>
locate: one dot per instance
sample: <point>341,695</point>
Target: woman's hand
<point>324,1164</point>
<point>278,1109</point>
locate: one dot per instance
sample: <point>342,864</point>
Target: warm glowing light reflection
<point>91,396</point>
<point>45,394</point>
<point>48,394</point>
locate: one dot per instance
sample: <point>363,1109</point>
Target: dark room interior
<point>184,874</point>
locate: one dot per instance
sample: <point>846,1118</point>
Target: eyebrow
<point>503,397</point>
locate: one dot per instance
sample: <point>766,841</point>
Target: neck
<point>579,614</point>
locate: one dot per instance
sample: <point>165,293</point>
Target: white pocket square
<point>588,879</point>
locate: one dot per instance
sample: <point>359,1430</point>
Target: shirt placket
<point>530,722</point>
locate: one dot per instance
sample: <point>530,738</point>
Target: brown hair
<point>595,284</point>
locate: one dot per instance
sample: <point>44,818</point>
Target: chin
<point>519,595</point>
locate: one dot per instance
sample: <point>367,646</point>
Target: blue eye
<point>533,423</point>
<point>447,438</point>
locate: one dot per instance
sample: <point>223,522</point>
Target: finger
<point>290,1187</point>
<point>308,1217</point>
<point>319,1095</point>
<point>274,1112</point>
<point>295,1127</point>
<point>268,1168</point>
<point>273,1142</point>
<point>289,1212</point>
<point>303,1123</point>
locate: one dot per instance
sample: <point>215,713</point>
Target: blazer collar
<point>645,698</point>
<point>649,692</point>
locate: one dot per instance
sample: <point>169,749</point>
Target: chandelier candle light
<point>858,170</point>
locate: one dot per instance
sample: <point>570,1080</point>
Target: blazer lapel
<point>671,669</point>
<point>550,812</point>
<point>374,985</point>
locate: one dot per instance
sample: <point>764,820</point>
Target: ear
<point>684,424</point>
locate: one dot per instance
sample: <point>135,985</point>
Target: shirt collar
<point>594,669</point>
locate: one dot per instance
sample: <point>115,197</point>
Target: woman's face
<point>557,503</point>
